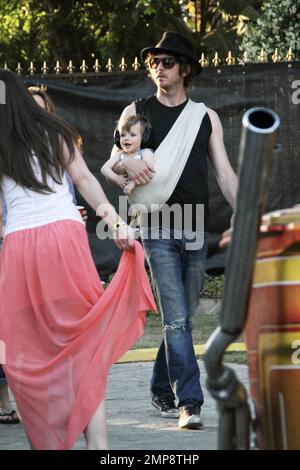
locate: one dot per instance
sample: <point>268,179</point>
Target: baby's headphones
<point>146,137</point>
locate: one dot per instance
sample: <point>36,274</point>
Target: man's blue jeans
<point>178,275</point>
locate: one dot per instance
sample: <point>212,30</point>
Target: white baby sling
<point>169,160</point>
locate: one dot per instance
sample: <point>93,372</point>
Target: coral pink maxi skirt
<point>61,330</point>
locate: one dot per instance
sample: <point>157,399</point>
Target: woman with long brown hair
<point>61,331</point>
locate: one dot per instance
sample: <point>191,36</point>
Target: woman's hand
<point>83,212</point>
<point>84,216</point>
<point>124,237</point>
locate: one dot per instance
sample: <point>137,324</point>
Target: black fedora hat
<point>175,44</point>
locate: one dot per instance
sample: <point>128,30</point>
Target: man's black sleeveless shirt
<point>192,187</point>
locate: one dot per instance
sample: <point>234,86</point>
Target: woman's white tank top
<point>29,209</point>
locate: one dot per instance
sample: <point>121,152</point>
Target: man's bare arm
<point>225,175</point>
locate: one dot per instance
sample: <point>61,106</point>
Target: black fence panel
<point>93,105</point>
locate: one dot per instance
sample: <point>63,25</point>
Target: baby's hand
<point>127,191</point>
<point>121,181</point>
<point>129,188</point>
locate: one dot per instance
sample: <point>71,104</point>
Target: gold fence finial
<point>57,68</point>
<point>216,60</point>
<point>203,61</point>
<point>96,66</point>
<point>31,69</point>
<point>275,56</point>
<point>289,56</point>
<point>136,65</point>
<point>262,56</point>
<point>44,68</point>
<point>70,67</point>
<point>83,67</point>
<point>19,69</point>
<point>230,60</point>
<point>123,65</point>
<point>245,57</point>
<point>109,65</point>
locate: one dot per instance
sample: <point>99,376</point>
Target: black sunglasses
<point>167,62</point>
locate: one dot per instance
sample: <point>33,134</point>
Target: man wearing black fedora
<point>193,132</point>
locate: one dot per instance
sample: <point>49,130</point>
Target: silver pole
<point>255,155</point>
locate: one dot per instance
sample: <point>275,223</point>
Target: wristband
<point>118,224</point>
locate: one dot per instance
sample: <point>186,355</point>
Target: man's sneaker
<point>189,417</point>
<point>166,406</point>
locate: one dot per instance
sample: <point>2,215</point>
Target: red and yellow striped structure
<point>273,332</point>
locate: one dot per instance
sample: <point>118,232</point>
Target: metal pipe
<point>256,148</point>
<point>255,155</point>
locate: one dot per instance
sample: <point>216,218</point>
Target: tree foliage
<point>48,29</point>
<point>277,27</point>
<point>220,24</point>
<point>53,30</point>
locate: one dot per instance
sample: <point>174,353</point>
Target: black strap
<point>140,106</point>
